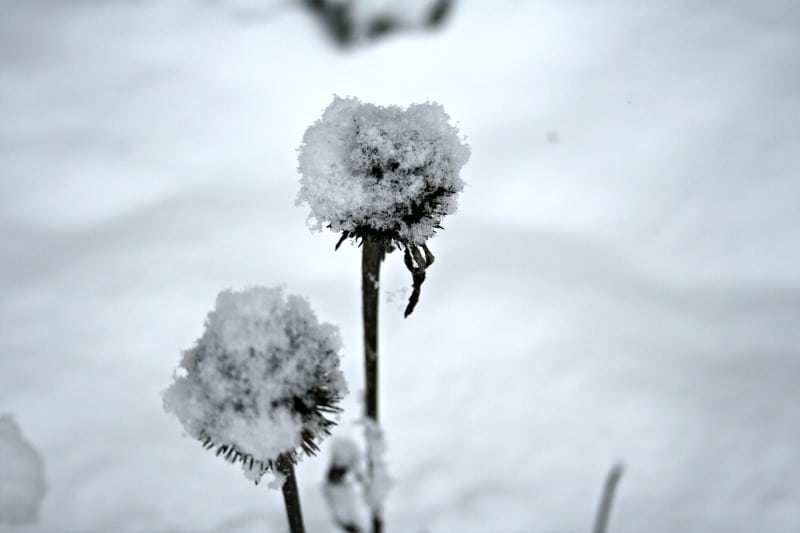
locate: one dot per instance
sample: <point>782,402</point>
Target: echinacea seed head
<point>260,382</point>
<point>386,173</point>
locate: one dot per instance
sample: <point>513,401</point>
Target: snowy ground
<point>622,280</point>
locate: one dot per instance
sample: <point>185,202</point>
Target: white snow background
<point>622,279</point>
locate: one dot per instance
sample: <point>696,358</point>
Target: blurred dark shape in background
<point>347,24</point>
<point>439,13</point>
<point>336,17</point>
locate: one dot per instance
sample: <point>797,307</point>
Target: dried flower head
<point>386,171</point>
<point>260,382</point>
<point>383,173</point>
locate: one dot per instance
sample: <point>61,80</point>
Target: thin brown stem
<point>604,511</point>
<point>291,497</point>
<point>372,256</point>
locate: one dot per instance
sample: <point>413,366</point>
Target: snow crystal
<point>259,380</point>
<point>389,171</point>
<point>22,483</point>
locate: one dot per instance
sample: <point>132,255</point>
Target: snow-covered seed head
<point>382,172</point>
<point>261,381</point>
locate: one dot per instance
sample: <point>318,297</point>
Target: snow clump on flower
<point>385,172</point>
<point>258,384</point>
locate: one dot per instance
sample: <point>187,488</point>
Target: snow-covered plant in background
<point>384,177</point>
<point>260,384</point>
<point>22,481</point>
<point>348,492</point>
<point>341,486</point>
<point>350,21</point>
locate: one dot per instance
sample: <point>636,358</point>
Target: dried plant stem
<point>290,495</point>
<point>604,511</point>
<point>373,252</point>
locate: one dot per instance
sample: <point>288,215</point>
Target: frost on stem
<point>376,486</point>
<point>22,481</point>
<point>388,174</point>
<point>261,381</point>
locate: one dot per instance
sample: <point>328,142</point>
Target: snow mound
<point>22,482</point>
<point>394,172</point>
<point>260,380</point>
